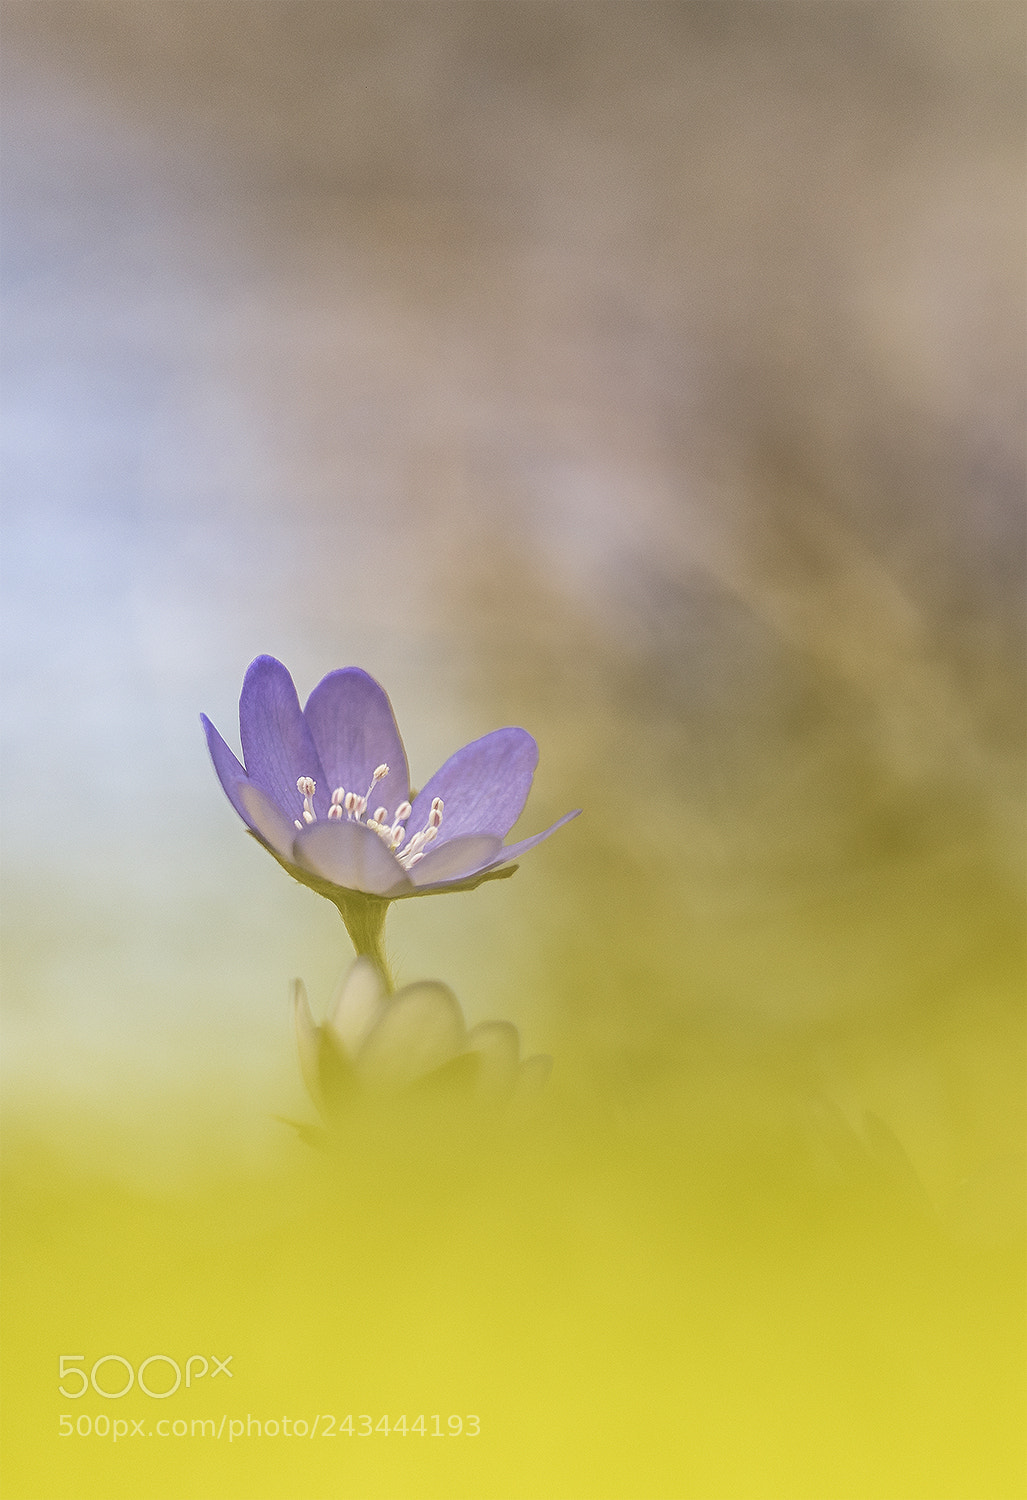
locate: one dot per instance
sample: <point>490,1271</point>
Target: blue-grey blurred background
<point>650,375</point>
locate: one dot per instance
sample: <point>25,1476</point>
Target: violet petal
<point>350,855</point>
<point>277,745</point>
<point>266,818</point>
<point>354,729</point>
<point>230,772</point>
<point>484,786</point>
<point>459,857</point>
<point>514,851</point>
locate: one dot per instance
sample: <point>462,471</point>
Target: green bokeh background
<point>650,375</point>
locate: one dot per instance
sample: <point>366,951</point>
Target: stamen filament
<point>306,786</point>
<point>415,848</point>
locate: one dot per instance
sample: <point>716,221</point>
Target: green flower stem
<point>364,917</point>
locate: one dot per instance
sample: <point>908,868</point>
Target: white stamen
<point>353,806</point>
<point>306,786</point>
<point>415,849</point>
<point>377,775</point>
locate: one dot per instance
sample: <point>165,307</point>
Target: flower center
<point>390,829</point>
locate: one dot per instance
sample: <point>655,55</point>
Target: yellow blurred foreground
<point>596,1303</point>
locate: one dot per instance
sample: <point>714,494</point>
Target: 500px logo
<point>158,1376</point>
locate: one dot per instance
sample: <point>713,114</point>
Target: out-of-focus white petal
<point>358,1004</point>
<point>422,1028</point>
<point>498,1045</point>
<point>307,1041</point>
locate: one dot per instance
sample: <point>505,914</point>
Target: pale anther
<point>335,811</point>
<point>306,786</point>
<point>376,776</point>
<point>338,796</point>
<point>415,848</point>
<point>403,812</point>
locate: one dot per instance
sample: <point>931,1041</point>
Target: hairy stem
<point>364,917</point>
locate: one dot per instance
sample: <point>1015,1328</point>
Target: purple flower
<point>326,790</point>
